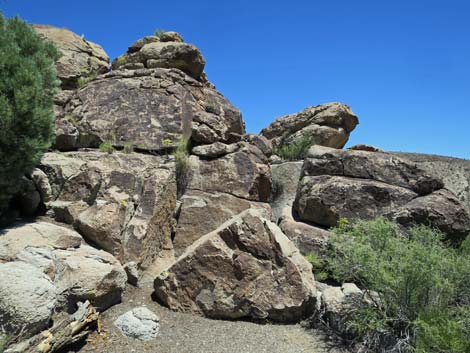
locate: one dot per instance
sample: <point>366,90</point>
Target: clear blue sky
<point>403,66</point>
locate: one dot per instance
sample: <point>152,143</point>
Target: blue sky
<point>403,66</point>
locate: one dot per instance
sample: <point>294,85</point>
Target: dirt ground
<point>184,333</point>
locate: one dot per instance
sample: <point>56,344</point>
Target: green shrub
<point>318,266</point>
<point>296,150</point>
<point>182,165</point>
<point>159,32</point>
<point>28,82</point>
<point>107,146</point>
<point>4,341</point>
<point>212,107</point>
<point>422,289</point>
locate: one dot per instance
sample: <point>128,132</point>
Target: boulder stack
<point>326,124</point>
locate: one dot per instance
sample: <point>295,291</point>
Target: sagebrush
<point>421,286</point>
<point>295,150</point>
<point>182,165</point>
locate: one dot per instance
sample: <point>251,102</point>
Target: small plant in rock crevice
<point>295,150</point>
<point>159,32</point>
<point>182,165</point>
<point>212,108</point>
<point>107,146</point>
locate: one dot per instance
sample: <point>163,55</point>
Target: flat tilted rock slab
<point>247,268</point>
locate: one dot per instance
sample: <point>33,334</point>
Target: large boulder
<point>454,172</point>
<point>146,109</point>
<point>361,184</point>
<point>381,167</point>
<point>224,180</point>
<point>89,274</point>
<point>27,299</point>
<point>168,50</point>
<point>183,56</point>
<point>202,212</point>
<point>80,58</point>
<point>38,234</point>
<point>247,268</point>
<point>244,173</point>
<point>76,271</point>
<point>122,202</point>
<point>325,199</point>
<point>442,209</point>
<point>327,124</point>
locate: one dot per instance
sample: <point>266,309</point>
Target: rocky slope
<point>216,230</point>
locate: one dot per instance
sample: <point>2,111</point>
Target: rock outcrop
<point>80,58</point>
<point>166,51</point>
<point>454,172</point>
<point>247,268</point>
<point>146,109</point>
<point>327,124</point>
<point>123,203</point>
<point>47,268</point>
<point>360,184</point>
<point>225,180</point>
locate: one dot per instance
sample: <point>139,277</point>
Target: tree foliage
<point>28,81</point>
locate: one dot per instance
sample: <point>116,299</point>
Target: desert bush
<point>28,82</point>
<point>4,341</point>
<point>212,107</point>
<point>422,301</point>
<point>182,165</point>
<point>159,32</point>
<point>319,265</point>
<point>107,146</point>
<point>296,150</point>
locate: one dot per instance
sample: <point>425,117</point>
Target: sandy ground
<point>184,333</point>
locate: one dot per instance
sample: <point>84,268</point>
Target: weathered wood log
<point>66,331</point>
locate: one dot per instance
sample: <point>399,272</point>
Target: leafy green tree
<point>28,81</point>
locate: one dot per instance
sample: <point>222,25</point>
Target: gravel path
<point>183,333</point>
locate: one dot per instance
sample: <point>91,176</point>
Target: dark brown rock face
<point>454,172</point>
<point>359,184</point>
<point>146,109</point>
<point>122,202</point>
<point>328,124</point>
<point>202,212</point>
<point>245,268</point>
<point>165,51</point>
<point>80,58</point>
<point>225,180</point>
<point>325,199</point>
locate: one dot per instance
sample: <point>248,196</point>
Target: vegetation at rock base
<point>107,146</point>
<point>28,81</point>
<point>4,341</point>
<point>422,303</point>
<point>318,266</point>
<point>183,165</point>
<point>296,150</point>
